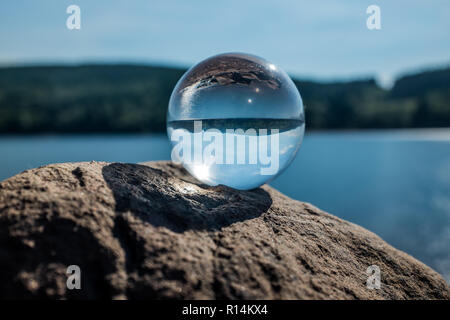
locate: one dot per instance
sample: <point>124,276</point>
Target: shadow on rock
<point>173,199</point>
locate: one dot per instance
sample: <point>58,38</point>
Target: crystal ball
<point>235,119</point>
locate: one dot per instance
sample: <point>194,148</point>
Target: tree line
<point>134,98</point>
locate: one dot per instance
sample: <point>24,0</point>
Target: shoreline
<point>163,132</point>
<point>438,133</point>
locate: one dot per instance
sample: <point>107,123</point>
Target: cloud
<point>287,148</point>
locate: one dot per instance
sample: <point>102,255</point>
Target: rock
<point>152,231</point>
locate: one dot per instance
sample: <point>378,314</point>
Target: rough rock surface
<point>152,231</point>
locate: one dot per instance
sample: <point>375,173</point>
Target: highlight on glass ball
<point>235,119</point>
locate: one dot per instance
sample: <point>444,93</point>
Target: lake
<point>394,183</point>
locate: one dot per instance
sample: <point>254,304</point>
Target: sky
<point>323,40</point>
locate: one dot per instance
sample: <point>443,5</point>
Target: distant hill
<point>134,98</point>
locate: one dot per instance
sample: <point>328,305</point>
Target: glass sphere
<point>235,119</point>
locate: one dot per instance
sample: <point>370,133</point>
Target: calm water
<point>394,183</point>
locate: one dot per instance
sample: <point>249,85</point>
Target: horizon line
<point>174,65</point>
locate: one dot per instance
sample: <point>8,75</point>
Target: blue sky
<point>325,39</point>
